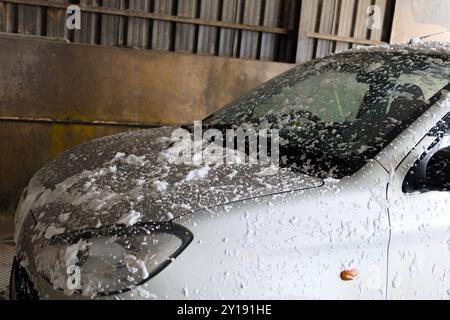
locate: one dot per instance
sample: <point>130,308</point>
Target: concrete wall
<point>45,84</point>
<point>416,18</point>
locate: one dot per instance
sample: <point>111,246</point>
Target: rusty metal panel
<point>185,37</point>
<point>248,29</point>
<point>148,86</point>
<point>56,21</point>
<point>327,15</point>
<point>2,16</point>
<point>230,38</point>
<point>308,22</point>
<point>377,33</point>
<point>288,43</point>
<point>162,30</point>
<point>30,19</point>
<point>345,23</point>
<point>138,29</point>
<point>269,41</point>
<point>207,36</point>
<point>386,14</point>
<point>250,39</point>
<point>361,27</point>
<point>90,25</point>
<point>10,21</point>
<point>112,32</point>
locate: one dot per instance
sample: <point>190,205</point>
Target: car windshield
<point>337,113</point>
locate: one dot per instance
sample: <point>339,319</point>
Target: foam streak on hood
<point>125,179</point>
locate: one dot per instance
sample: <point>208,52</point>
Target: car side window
<point>431,172</point>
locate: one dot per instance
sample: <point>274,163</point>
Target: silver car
<point>356,208</point>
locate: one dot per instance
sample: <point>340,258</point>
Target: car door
<point>419,250</point>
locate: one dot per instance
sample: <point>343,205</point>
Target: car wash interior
<point>75,70</point>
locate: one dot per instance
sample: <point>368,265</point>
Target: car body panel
<point>418,250</point>
<point>304,245</point>
<point>290,246</point>
<point>419,256</point>
<point>256,236</point>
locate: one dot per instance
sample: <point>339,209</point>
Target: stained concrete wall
<point>44,84</point>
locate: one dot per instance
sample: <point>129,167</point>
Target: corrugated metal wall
<point>272,30</point>
<point>328,26</point>
<point>247,29</point>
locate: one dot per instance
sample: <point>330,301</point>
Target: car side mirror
<point>438,171</point>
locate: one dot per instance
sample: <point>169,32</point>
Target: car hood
<point>126,178</point>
